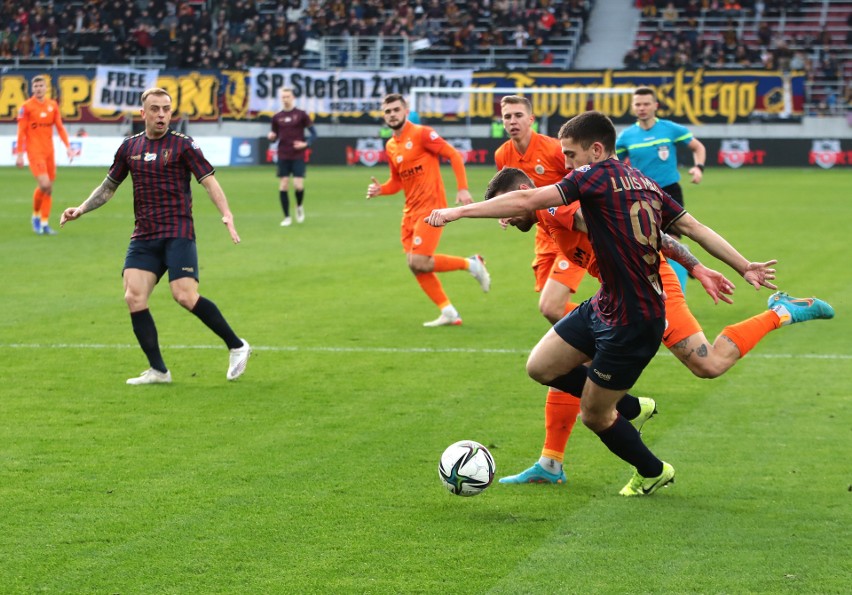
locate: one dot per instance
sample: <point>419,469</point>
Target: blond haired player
<point>414,157</point>
<point>36,120</point>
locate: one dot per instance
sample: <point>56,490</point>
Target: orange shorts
<point>553,265</point>
<point>417,236</point>
<point>680,323</point>
<point>41,165</point>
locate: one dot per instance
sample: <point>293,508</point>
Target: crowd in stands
<point>734,34</point>
<point>237,34</point>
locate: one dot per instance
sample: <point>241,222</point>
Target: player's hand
<point>696,174</point>
<point>19,160</point>
<point>70,214</point>
<point>463,197</point>
<point>504,222</point>
<point>272,137</point>
<point>759,274</point>
<point>374,189</point>
<point>440,217</point>
<point>299,145</point>
<point>714,283</point>
<point>70,152</point>
<point>228,220</point>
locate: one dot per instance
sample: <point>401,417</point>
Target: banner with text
<point>120,88</point>
<point>342,93</point>
<point>686,96</point>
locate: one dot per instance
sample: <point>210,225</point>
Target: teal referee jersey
<point>654,151</point>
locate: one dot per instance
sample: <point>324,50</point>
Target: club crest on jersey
<point>166,154</point>
<point>586,167</point>
<point>399,158</point>
<point>539,168</point>
<point>150,157</point>
<point>408,145</point>
<point>663,152</point>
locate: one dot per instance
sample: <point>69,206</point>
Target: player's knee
<point>550,312</point>
<point>539,373</point>
<point>134,300</point>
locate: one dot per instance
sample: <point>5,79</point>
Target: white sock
<point>449,311</point>
<point>550,465</point>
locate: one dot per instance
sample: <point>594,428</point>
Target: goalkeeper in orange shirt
<point>36,119</point>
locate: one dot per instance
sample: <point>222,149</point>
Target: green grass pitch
<point>316,472</point>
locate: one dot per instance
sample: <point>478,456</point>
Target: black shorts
<point>296,167</point>
<point>178,256</point>
<point>675,191</point>
<point>619,353</point>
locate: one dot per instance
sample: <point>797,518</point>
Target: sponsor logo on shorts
<point>601,375</point>
<point>564,265</point>
<point>188,269</point>
<point>418,240</point>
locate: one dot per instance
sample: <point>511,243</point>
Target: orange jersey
<point>414,158</point>
<point>36,120</point>
<point>558,223</point>
<point>544,163</point>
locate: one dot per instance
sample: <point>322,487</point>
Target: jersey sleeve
<point>60,128</point>
<point>569,186</point>
<point>23,126</point>
<point>195,160</point>
<point>670,211</point>
<point>680,134</point>
<point>119,170</point>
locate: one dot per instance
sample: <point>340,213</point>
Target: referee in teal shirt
<point>650,145</point>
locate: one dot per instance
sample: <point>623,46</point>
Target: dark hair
<point>645,91</point>
<point>588,128</point>
<point>390,98</point>
<point>506,180</point>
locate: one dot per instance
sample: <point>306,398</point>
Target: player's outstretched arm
<point>758,274</point>
<point>517,203</point>
<point>217,195</point>
<point>98,198</point>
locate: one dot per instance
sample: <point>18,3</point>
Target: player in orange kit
<point>36,120</point>
<point>414,154</point>
<point>556,277</point>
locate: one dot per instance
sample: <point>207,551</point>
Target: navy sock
<point>300,196</point>
<point>146,333</point>
<point>624,441</point>
<point>210,315</point>
<point>284,197</point>
<point>573,382</point>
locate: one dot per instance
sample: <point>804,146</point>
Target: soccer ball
<point>466,468</point>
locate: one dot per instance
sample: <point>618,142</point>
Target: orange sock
<point>560,413</point>
<point>444,263</point>
<point>37,198</point>
<point>749,332</point>
<point>46,203</point>
<point>432,287</point>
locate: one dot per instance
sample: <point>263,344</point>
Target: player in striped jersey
<point>620,328</point>
<point>162,163</point>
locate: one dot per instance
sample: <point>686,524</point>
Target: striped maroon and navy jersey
<point>290,126</point>
<point>624,212</point>
<point>161,170</point>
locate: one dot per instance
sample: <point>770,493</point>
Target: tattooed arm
<point>714,282</point>
<point>98,198</point>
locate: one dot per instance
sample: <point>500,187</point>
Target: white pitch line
<point>285,348</point>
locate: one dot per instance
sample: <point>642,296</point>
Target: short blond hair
<point>154,91</point>
<point>516,100</point>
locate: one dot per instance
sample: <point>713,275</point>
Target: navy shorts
<point>675,191</point>
<point>178,256</point>
<point>291,166</point>
<point>619,353</point>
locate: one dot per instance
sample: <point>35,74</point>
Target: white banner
<point>100,150</point>
<point>120,87</point>
<point>326,93</point>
